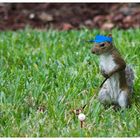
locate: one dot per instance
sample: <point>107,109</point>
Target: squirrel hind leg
<point>123,99</point>
<point>104,96</point>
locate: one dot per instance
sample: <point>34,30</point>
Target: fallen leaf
<point>45,17</point>
<point>66,26</point>
<point>128,19</point>
<point>88,22</point>
<point>118,17</point>
<point>107,26</point>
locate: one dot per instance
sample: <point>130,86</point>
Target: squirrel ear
<point>110,35</point>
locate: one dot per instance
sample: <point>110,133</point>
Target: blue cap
<point>101,38</point>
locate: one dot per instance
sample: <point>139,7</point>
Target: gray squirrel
<point>118,88</point>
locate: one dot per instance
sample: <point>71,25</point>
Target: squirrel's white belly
<point>107,64</point>
<point>113,86</point>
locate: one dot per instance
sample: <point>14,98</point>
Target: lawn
<point>55,72</point>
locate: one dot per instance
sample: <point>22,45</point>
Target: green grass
<point>56,71</point>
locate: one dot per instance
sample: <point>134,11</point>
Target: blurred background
<point>69,16</point>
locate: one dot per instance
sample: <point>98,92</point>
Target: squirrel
<point>118,87</point>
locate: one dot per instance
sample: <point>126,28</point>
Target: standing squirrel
<point>118,88</point>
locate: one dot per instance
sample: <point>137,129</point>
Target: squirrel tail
<point>129,77</point>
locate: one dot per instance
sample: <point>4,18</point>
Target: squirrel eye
<point>102,45</point>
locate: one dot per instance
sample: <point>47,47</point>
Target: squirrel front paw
<point>104,74</point>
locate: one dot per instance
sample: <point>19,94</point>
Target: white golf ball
<point>81,117</point>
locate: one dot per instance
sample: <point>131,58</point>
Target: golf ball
<point>81,117</point>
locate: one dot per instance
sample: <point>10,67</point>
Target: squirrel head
<point>103,44</point>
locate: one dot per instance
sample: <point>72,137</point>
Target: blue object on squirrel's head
<point>102,38</point>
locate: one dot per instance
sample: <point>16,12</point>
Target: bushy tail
<point>130,77</point>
